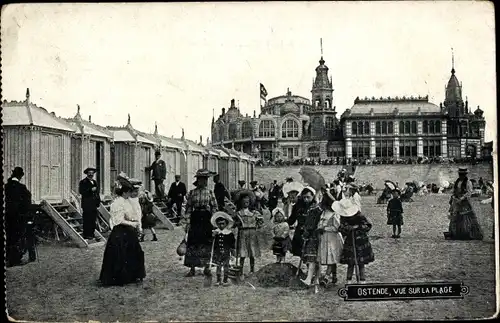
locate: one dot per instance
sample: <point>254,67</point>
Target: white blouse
<point>122,212</point>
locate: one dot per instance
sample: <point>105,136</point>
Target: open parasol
<point>312,177</point>
<point>390,185</point>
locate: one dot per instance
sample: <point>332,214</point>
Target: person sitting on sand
<point>281,235</point>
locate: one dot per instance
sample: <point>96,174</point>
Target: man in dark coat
<point>159,169</point>
<point>176,193</point>
<point>89,190</point>
<point>17,210</point>
<point>275,193</point>
<point>220,193</point>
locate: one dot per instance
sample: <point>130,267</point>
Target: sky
<point>177,64</point>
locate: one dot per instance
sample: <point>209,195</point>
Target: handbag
<point>182,248</point>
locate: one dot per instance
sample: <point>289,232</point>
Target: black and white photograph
<point>250,161</point>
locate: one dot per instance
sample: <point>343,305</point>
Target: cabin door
<point>146,161</point>
<point>99,164</point>
<point>50,166</point>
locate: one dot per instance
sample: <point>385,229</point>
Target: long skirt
<point>199,241</point>
<point>395,218</point>
<point>297,242</point>
<point>248,242</point>
<point>148,221</point>
<point>364,252</point>
<point>123,260</point>
<point>330,248</point>
<point>464,224</point>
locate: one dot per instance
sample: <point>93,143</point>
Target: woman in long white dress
<point>123,260</point>
<point>330,242</point>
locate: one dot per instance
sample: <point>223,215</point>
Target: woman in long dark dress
<point>299,212</point>
<point>463,221</point>
<point>200,206</point>
<point>123,260</point>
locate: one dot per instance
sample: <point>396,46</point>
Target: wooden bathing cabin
<point>191,160</point>
<point>40,143</point>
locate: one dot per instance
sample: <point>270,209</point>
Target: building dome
<point>290,107</point>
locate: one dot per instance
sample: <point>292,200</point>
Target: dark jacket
<point>159,169</point>
<point>90,199</point>
<point>220,193</point>
<point>177,191</point>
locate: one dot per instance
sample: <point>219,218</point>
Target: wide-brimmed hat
<point>225,216</point>
<point>463,170</point>
<point>136,183</point>
<point>88,169</point>
<point>157,153</point>
<point>253,183</point>
<point>123,181</point>
<point>310,189</point>
<point>292,187</point>
<point>345,208</point>
<point>204,173</point>
<point>391,185</point>
<point>241,182</point>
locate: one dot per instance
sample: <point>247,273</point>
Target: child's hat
<point>277,210</point>
<point>345,208</point>
<point>223,215</point>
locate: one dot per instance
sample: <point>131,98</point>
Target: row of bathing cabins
<point>54,151</point>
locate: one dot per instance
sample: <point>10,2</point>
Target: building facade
<point>293,127</point>
<point>288,127</point>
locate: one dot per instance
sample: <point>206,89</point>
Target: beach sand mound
<point>277,275</point>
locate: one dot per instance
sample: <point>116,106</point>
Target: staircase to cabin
<point>103,217</point>
<point>67,217</point>
<point>162,212</point>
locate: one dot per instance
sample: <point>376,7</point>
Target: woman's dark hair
<point>305,191</point>
<point>327,201</point>
<point>123,189</point>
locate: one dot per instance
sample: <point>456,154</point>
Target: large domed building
<point>288,126</point>
<point>292,127</point>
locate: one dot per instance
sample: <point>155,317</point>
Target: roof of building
<point>129,134</point>
<point>384,106</point>
<point>87,127</point>
<point>22,113</point>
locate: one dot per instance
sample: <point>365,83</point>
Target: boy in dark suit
<point>176,193</point>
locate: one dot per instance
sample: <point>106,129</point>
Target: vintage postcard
<point>250,161</point>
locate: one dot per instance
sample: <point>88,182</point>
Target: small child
<point>395,214</point>
<point>224,245</point>
<point>248,222</point>
<point>148,219</point>
<point>281,232</point>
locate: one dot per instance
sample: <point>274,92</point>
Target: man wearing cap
<point>176,193</point>
<point>275,193</point>
<point>220,193</point>
<point>89,190</point>
<point>159,170</point>
<point>17,208</point>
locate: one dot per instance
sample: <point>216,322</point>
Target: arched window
<point>222,136</point>
<point>407,127</point>
<point>290,129</point>
<point>431,126</point>
<point>246,129</point>
<point>354,128</point>
<point>401,127</point>
<point>377,127</point>
<point>413,127</point>
<point>233,131</point>
<point>425,126</point>
<point>384,127</point>
<point>360,127</point>
<point>266,129</point>
<point>367,128</point>
<point>437,127</point>
<point>330,126</point>
<point>313,151</point>
<point>390,127</point>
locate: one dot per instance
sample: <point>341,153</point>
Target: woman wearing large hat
<point>463,221</point>
<point>354,226</point>
<point>200,206</point>
<point>123,260</point>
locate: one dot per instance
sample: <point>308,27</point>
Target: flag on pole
<point>263,92</point>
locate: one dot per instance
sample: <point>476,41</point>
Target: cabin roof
<point>194,146</point>
<point>128,134</point>
<point>212,151</point>
<point>89,128</point>
<point>28,114</point>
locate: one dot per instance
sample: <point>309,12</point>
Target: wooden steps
<point>67,217</point>
<point>104,216</point>
<point>166,216</point>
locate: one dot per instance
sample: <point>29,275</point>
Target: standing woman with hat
<point>123,260</point>
<point>354,226</point>
<point>200,206</point>
<point>89,190</point>
<point>463,221</point>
